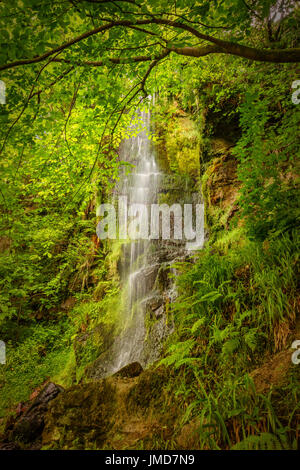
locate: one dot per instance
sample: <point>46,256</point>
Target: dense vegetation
<point>222,72</point>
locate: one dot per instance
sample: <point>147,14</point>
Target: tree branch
<point>273,56</point>
<point>252,10</point>
<point>264,55</point>
<point>25,105</point>
<point>113,60</point>
<point>197,51</point>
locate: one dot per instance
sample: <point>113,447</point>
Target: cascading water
<point>140,188</point>
<point>139,269</point>
<point>145,265</point>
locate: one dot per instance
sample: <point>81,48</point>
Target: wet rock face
<point>153,302</point>
<point>157,334</point>
<point>80,417</point>
<point>222,183</point>
<point>28,426</point>
<point>154,325</point>
<point>110,361</point>
<point>163,281</point>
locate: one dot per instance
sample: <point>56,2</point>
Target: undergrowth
<point>233,310</point>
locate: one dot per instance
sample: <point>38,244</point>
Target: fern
<point>179,354</point>
<point>263,441</point>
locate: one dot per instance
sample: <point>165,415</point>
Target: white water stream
<point>140,187</point>
<point>145,265</point>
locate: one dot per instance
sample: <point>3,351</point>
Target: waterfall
<point>139,269</point>
<point>140,187</point>
<point>145,265</point>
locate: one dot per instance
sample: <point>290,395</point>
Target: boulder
<point>131,370</point>
<point>81,417</point>
<point>28,425</point>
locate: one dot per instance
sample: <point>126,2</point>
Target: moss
<point>67,376</point>
<point>43,352</point>
<point>80,417</point>
<point>97,314</point>
<point>112,260</point>
<point>89,346</point>
<point>162,280</point>
<point>179,143</point>
<point>220,192</point>
<point>148,389</point>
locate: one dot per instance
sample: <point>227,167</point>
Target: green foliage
<point>237,298</point>
<point>45,260</point>
<point>59,136</point>
<point>263,441</point>
<point>268,154</point>
<point>38,352</point>
<point>226,316</point>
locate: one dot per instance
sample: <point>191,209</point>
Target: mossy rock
<point>182,144</point>
<point>163,280</point>
<point>92,344</point>
<point>221,186</point>
<point>25,428</point>
<point>131,370</point>
<point>220,189</point>
<point>148,389</point>
<point>81,417</point>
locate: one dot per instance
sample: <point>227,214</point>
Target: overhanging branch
<point>263,55</point>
